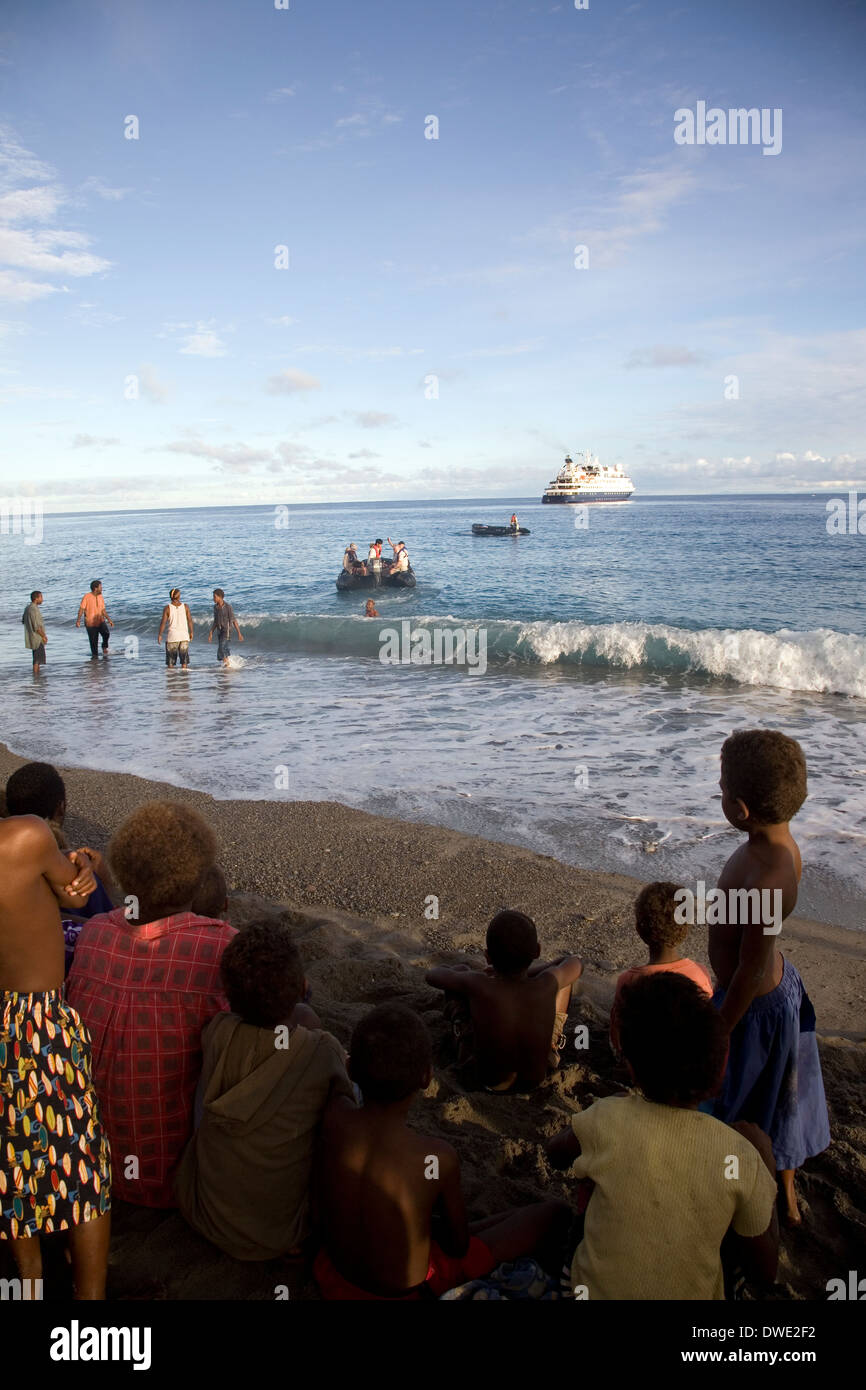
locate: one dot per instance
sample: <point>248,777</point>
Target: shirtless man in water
<point>773,1078</point>
<point>53,1180</point>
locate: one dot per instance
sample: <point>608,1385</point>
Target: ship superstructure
<point>587,480</point>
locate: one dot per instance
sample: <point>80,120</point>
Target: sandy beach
<point>361,893</point>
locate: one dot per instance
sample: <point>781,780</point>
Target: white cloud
<point>93,441</point>
<point>42,249</point>
<point>291,381</point>
<point>533,345</point>
<point>660,356</point>
<point>103,190</point>
<point>236,458</point>
<point>18,164</point>
<point>365,454</point>
<point>19,291</point>
<point>204,343</point>
<point>151,386</point>
<point>373,419</point>
<point>30,204</point>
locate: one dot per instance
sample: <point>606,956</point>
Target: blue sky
<point>412,258</point>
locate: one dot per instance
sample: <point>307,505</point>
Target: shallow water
<point>616,660</point>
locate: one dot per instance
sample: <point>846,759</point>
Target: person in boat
<point>375,552</point>
<point>350,558</point>
<point>370,610</point>
<point>514,525</point>
<point>400,563</point>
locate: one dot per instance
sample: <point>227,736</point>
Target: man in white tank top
<point>177,624</point>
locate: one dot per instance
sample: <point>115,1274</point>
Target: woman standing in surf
<point>177,623</point>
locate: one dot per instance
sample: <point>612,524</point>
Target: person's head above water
<point>391,1055</point>
<point>763,777</point>
<point>219,595</point>
<point>96,586</point>
<point>36,789</point>
<point>174,595</point>
<point>512,942</point>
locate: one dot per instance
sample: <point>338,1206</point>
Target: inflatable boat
<point>478,529</point>
<point>375,578</point>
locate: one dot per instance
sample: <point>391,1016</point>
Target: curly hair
<point>162,852</point>
<point>262,974</point>
<point>673,1039</point>
<point>654,919</point>
<point>36,789</point>
<point>767,770</point>
<point>512,942</point>
<point>390,1054</point>
<point>210,896</point>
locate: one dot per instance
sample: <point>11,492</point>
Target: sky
<point>428,328</point>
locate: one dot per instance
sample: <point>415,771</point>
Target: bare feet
<point>788,1198</point>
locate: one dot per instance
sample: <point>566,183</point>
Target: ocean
<point>617,657</point>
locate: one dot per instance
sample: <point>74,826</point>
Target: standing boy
<point>773,1077</point>
<point>34,630</point>
<point>223,621</point>
<point>96,619</point>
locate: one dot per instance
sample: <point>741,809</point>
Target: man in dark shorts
<point>223,621</point>
<point>34,630</point>
<point>96,619</point>
<point>55,1172</point>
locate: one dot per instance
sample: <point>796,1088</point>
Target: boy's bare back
<point>513,1021</point>
<point>380,1183</point>
<point>769,866</point>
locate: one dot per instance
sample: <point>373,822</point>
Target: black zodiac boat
<point>375,578</point>
<point>478,529</point>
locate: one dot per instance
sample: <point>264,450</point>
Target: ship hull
<point>590,497</point>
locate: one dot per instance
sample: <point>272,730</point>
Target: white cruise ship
<point>589,481</point>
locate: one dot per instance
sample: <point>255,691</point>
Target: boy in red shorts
<point>384,1186</point>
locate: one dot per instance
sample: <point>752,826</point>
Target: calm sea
<point>618,657</point>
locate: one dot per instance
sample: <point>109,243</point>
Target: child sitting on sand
<point>774,1073</point>
<point>669,1180</point>
<point>269,1070</point>
<point>516,1009</point>
<point>383,1185</point>
<point>656,924</point>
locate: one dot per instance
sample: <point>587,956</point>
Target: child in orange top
<point>656,924</point>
